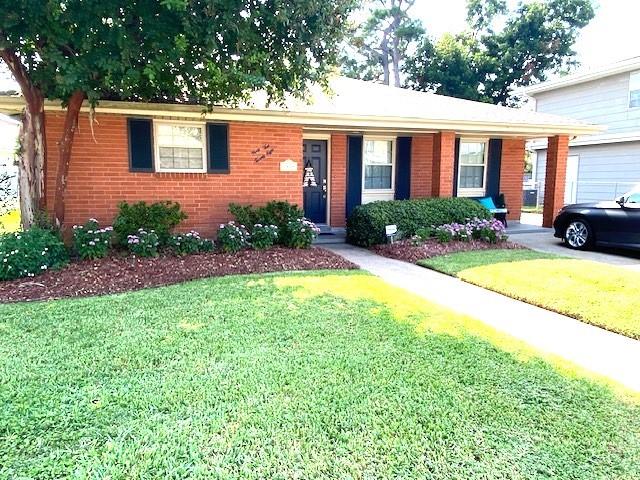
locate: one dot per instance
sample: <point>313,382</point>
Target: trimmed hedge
<point>366,224</point>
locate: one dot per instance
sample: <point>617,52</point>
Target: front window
<point>180,147</point>
<point>634,90</point>
<point>472,168</point>
<point>378,164</point>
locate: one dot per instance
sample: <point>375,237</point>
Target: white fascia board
<point>337,121</point>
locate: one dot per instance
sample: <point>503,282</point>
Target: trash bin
<point>530,198</point>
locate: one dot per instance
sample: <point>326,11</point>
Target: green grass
<point>316,375</point>
<point>10,221</point>
<point>599,294</point>
<point>532,209</point>
<point>455,263</point>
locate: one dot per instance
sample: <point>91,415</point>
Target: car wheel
<point>578,234</point>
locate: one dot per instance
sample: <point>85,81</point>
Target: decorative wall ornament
<point>263,152</point>
<point>288,165</point>
<point>309,179</point>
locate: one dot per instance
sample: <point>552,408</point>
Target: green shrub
<point>188,243</point>
<point>366,224</point>
<point>232,238</point>
<point>245,215</point>
<point>263,236</point>
<point>300,233</point>
<point>144,243</point>
<point>90,241</point>
<point>42,220</point>
<point>161,217</point>
<point>278,213</point>
<point>30,253</point>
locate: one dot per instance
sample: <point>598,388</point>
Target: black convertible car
<point>613,224</point>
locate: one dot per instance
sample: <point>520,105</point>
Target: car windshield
<point>632,197</point>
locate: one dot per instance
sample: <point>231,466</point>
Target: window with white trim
<point>378,164</point>
<point>180,147</point>
<point>472,168</point>
<point>634,90</point>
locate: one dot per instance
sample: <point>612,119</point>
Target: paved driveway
<point>544,241</point>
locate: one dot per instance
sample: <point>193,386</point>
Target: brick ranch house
<point>359,143</point>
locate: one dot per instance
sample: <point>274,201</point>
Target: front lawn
<point>316,375</point>
<point>599,294</point>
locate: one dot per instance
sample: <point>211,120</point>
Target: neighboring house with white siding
<point>605,165</point>
<point>9,129</point>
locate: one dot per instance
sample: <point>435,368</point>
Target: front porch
<point>343,170</point>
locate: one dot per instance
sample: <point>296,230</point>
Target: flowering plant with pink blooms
<point>92,241</point>
<point>301,233</point>
<point>491,231</point>
<point>232,237</point>
<point>144,243</point>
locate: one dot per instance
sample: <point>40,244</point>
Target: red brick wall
<point>556,173</point>
<point>338,181</point>
<point>99,174</point>
<point>421,166</point>
<point>444,144</point>
<point>511,173</point>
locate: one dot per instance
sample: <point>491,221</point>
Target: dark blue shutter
<point>218,143</point>
<point>494,158</point>
<point>456,162</point>
<point>354,173</point>
<point>403,168</point>
<point>140,144</point>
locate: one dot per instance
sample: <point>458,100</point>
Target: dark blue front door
<point>314,180</point>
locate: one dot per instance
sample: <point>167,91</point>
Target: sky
<point>611,35</point>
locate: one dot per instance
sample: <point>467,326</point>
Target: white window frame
<point>179,123</point>
<point>393,165</point>
<point>631,75</point>
<point>473,192</point>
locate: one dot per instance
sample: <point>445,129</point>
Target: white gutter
<point>336,121</point>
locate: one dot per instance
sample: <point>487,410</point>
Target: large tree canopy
<point>205,51</point>
<point>488,65</point>
<point>377,48</point>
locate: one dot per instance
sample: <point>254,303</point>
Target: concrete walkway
<point>600,351</point>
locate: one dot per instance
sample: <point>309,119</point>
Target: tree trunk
<point>384,59</point>
<point>32,155</point>
<point>31,161</point>
<point>64,158</point>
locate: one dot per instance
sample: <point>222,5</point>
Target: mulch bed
<point>116,274</point>
<point>407,251</point>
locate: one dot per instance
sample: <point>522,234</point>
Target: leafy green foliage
<point>144,243</point>
<point>90,241</point>
<point>162,217</point>
<point>300,233</point>
<point>263,236</point>
<point>194,381</point>
<point>173,50</point>
<point>30,253</point>
<point>366,224</point>
<point>189,243</point>
<point>278,213</point>
<point>232,238</point>
<point>486,65</point>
